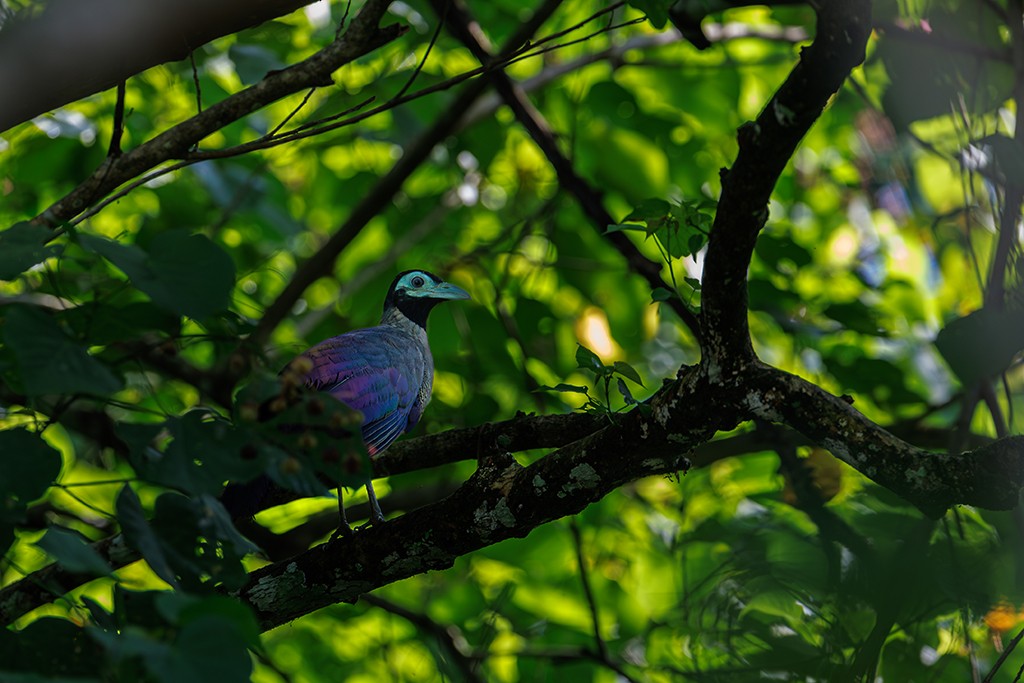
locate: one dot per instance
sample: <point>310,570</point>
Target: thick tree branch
<point>505,500</point>
<point>104,42</point>
<point>765,147</point>
<point>991,476</point>
<point>501,500</point>
<point>362,37</point>
<point>636,446</point>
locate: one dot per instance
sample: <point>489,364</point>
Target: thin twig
<point>1002,657</point>
<point>118,127</point>
<point>602,647</point>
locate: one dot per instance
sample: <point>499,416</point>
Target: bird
<point>385,372</point>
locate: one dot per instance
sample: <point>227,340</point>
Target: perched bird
<point>385,372</point>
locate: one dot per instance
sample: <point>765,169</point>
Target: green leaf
<point>650,210</point>
<point>102,323</point>
<point>48,361</point>
<point>781,252</point>
<point>72,551</point>
<point>588,360</point>
<point>22,246</point>
<point>183,273</point>
<point>253,62</point>
<point>662,294</point>
<point>565,388</point>
<point>627,371</point>
<point>28,465</point>
<point>203,454</point>
<point>656,10</point>
<point>982,344</point>
<point>627,396</point>
<point>856,316</point>
<point>140,536</point>
<point>623,227</point>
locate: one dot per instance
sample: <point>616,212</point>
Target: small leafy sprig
<point>589,361</point>
<point>679,230</point>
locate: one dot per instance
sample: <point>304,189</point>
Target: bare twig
<point>118,127</point>
<point>588,592</point>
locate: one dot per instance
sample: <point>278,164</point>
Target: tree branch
<point>104,42</point>
<point>765,147</point>
<point>362,37</point>
<point>991,476</point>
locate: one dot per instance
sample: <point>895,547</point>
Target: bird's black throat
<point>415,309</point>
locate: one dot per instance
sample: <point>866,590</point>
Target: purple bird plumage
<point>385,372</point>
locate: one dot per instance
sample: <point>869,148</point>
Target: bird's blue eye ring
<point>417,281</point>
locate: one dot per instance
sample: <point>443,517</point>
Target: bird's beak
<point>447,290</point>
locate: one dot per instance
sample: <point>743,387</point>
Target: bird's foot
<point>375,520</point>
<point>343,531</point>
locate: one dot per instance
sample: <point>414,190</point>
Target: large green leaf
<point>48,361</point>
<point>22,246</point>
<point>183,273</point>
<point>188,542</point>
<point>981,344</point>
<point>28,465</point>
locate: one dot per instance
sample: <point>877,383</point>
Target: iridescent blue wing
<point>375,371</point>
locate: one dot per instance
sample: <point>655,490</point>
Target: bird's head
<point>415,292</point>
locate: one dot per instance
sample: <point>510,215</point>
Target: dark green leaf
<point>781,252</point>
<point>140,536</point>
<point>183,273</point>
<point>982,344</point>
<point>253,62</point>
<point>649,210</point>
<point>72,551</point>
<point>22,246</point>
<point>588,360</point>
<point>662,294</point>
<point>565,388</point>
<point>856,316</point>
<point>49,649</point>
<point>620,227</point>
<point>28,465</point>
<point>102,323</point>
<point>627,371</point>
<point>656,10</point>
<point>627,396</point>
<point>203,454</point>
<point>48,361</point>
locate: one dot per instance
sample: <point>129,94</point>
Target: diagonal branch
<point>991,476</point>
<point>362,37</point>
